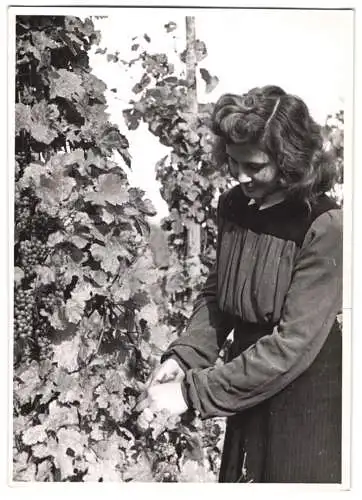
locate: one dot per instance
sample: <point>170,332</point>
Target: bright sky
<point>307,52</point>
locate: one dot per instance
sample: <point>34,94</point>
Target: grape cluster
<point>52,300</point>
<point>166,471</point>
<point>23,321</point>
<point>43,340</point>
<point>24,209</point>
<point>32,253</point>
<point>21,160</point>
<point>43,225</point>
<point>164,450</point>
<point>165,463</point>
<point>28,220</point>
<point>143,370</point>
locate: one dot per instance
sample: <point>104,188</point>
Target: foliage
<point>333,131</point>
<point>88,306</point>
<point>93,307</point>
<point>190,183</point>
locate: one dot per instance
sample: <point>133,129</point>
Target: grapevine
<point>23,322</point>
<point>92,310</point>
<point>89,311</point>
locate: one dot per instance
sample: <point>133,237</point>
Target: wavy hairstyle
<point>280,125</point>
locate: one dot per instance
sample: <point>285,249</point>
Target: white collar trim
<point>273,199</point>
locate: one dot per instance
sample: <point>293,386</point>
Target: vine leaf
<point>18,274</point>
<point>104,470</point>
<point>116,407</point>
<point>43,116</point>
<point>211,81</point>
<point>60,416</point>
<point>109,255</point>
<point>94,87</point>
<point>74,307</point>
<point>41,41</point>
<point>194,472</point>
<point>68,386</point>
<point>160,336</point>
<point>140,471</point>
<point>78,241</point>
<point>22,117</point>
<point>23,470</point>
<point>121,290</point>
<point>66,354</point>
<point>115,383</point>
<point>111,139</point>
<point>106,461</point>
<point>111,189</point>
<point>44,471</point>
<point>142,272</point>
<point>27,383</point>
<point>52,184</point>
<point>66,84</point>
<point>45,274</point>
<point>146,206</point>
<point>107,217</point>
<point>35,434</point>
<point>149,313</point>
<point>56,238</point>
<point>171,26</point>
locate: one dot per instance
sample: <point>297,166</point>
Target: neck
<point>271,199</point>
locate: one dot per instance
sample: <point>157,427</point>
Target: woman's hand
<point>166,396</point>
<point>168,371</point>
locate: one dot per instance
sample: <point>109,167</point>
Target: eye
<point>255,167</point>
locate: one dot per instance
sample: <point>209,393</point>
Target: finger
<point>149,381</point>
<point>141,386</point>
<point>141,405</point>
<point>143,395</point>
<point>155,378</point>
<point>164,377</point>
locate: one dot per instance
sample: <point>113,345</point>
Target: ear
<point>282,182</point>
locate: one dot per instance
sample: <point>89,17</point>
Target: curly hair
<point>280,125</point>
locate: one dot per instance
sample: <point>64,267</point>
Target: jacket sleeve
<point>207,328</point>
<point>309,311</point>
<point>206,332</point>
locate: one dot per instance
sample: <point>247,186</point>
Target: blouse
<point>278,273</point>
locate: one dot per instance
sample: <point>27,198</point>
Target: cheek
<point>266,175</point>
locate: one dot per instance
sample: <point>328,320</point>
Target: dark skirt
<point>295,436</point>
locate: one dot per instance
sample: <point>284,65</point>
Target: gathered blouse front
<point>278,284</point>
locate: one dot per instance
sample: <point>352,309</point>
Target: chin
<point>252,194</point>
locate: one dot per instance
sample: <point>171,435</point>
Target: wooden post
<point>191,64</point>
<point>193,230</point>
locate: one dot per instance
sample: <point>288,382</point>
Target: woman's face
<point>253,169</point>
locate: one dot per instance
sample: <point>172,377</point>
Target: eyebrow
<point>259,164</point>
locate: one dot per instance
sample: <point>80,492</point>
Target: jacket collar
<point>270,201</point>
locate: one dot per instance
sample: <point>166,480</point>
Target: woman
<point>278,284</point>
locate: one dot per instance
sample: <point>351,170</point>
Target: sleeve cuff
<point>172,355</point>
<point>186,394</point>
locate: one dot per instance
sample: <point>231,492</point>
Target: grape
<point>166,472</point>
<point>23,322</point>
<point>43,225</point>
<point>30,222</point>
<point>43,340</point>
<point>24,209</point>
<point>143,371</point>
<point>32,253</point>
<point>164,450</point>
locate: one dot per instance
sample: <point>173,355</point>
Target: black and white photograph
<point>181,183</point>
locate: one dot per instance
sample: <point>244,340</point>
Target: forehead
<point>243,153</point>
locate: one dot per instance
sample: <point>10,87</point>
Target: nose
<point>243,178</point>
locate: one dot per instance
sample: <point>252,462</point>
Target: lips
<point>248,187</point>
